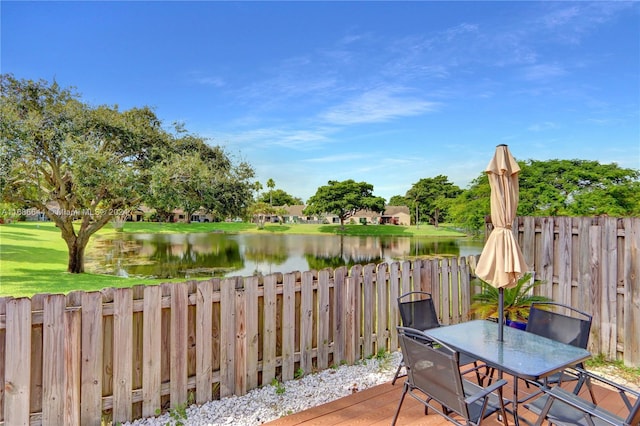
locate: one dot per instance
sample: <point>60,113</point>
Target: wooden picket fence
<point>593,264</point>
<point>126,353</point>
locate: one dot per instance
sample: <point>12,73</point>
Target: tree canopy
<point>557,188</point>
<point>196,175</point>
<point>429,198</point>
<point>83,165</point>
<point>344,199</point>
<point>279,197</point>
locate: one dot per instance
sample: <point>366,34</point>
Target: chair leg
<point>400,366</point>
<point>478,377</point>
<point>503,410</point>
<point>404,393</point>
<point>582,381</point>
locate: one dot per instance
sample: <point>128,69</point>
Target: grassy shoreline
<point>33,256</point>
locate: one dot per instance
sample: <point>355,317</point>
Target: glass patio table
<point>521,354</point>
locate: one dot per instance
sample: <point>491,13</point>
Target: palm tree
<point>517,300</point>
<point>271,184</point>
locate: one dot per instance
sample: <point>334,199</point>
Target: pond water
<point>211,254</point>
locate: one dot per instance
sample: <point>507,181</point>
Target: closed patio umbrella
<point>501,262</point>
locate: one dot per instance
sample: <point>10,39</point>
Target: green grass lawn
<point>274,228</point>
<point>33,255</point>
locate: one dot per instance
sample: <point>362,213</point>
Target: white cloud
<point>336,158</point>
<point>206,80</point>
<point>377,105</point>
<point>543,72</point>
<point>296,139</point>
<point>539,127</point>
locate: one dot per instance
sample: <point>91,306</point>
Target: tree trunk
<point>76,256</point>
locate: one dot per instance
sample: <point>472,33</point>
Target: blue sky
<point>382,92</point>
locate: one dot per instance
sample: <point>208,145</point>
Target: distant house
<point>139,214</point>
<point>396,215</point>
<point>392,215</point>
<point>201,215</point>
<point>294,214</point>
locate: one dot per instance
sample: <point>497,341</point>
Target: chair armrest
<point>483,392</point>
<point>577,403</point>
<point>618,386</point>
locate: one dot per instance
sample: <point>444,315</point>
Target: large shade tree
<point>84,166</point>
<point>80,165</point>
<point>279,197</point>
<point>557,188</point>
<point>429,199</point>
<point>199,176</point>
<point>344,199</point>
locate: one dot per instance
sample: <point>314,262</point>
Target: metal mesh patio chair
<point>548,320</point>
<point>418,311</point>
<point>564,408</point>
<point>435,380</point>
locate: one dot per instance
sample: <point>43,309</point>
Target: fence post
<point>204,341</point>
<point>288,325</point>
<point>350,333</point>
<point>92,359</point>
<point>306,322</point>
<point>72,336</point>
<point>240,352</point>
<point>53,360</point>
<point>631,276</point>
<point>339,310</point>
<point>122,349</point>
<point>323,319</point>
<point>382,308</point>
<point>18,362</point>
<point>151,349</point>
<point>227,336</point>
<point>368,309</point>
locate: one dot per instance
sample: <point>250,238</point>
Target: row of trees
<point>97,162</point>
<point>547,188</point>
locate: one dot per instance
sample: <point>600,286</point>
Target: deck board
<point>376,406</point>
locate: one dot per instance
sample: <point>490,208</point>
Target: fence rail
<point>127,353</point>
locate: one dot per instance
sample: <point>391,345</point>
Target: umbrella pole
<point>500,314</point>
<point>500,320</point>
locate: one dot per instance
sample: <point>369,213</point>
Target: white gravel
<point>265,404</point>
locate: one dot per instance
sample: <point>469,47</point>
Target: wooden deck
<point>377,406</point>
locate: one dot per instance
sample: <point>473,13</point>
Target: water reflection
<point>221,255</point>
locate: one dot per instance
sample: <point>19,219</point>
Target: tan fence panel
<point>251,334</point>
<point>122,349</point>
<point>323,320</point>
<point>72,339</point>
<point>382,310</point>
<point>92,359</point>
<point>53,361</point>
<point>3,330</point>
<point>306,322</point>
<point>368,309</point>
<point>152,346</point>
<point>631,293</point>
<point>288,326</point>
<point>18,362</point>
<point>269,329</point>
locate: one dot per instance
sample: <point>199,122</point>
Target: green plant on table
<point>517,299</point>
